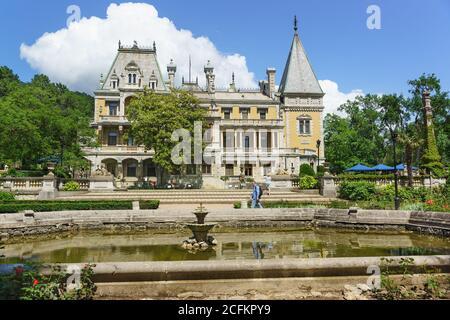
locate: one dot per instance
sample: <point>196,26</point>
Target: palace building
<point>266,131</point>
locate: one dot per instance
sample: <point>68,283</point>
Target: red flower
<point>35,282</point>
<point>19,271</point>
<point>445,206</point>
<point>429,202</point>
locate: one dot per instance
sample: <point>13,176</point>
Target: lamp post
<point>318,143</point>
<point>394,135</point>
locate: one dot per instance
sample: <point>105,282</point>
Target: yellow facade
<point>272,113</point>
<point>302,141</point>
<point>100,105</point>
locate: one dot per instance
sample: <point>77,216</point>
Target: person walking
<point>256,196</point>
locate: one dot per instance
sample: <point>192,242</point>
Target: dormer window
<point>153,84</point>
<point>113,84</point>
<point>132,78</point>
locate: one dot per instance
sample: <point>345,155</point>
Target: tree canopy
<point>154,117</point>
<point>41,119</point>
<point>362,134</point>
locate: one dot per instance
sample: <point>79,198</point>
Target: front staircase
<point>200,196</point>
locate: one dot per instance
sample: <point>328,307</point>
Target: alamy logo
<point>374,281</point>
<point>74,280</point>
<point>374,20</point>
<point>75,14</point>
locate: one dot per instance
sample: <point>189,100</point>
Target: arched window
<point>134,78</point>
<point>129,78</point>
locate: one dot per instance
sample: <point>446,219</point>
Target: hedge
<point>149,205</point>
<point>357,190</point>
<point>49,206</point>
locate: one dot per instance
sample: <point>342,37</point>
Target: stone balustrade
<point>35,184</point>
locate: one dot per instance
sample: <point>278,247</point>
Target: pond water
<point>324,243</point>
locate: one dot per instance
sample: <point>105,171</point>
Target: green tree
<point>154,117</point>
<point>41,119</point>
<point>356,137</point>
<point>437,135</point>
<point>8,81</point>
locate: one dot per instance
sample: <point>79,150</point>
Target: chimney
<point>210,77</point>
<point>271,73</point>
<point>172,70</point>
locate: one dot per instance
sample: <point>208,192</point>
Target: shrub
<point>6,196</point>
<point>61,172</point>
<point>306,170</point>
<point>356,190</point>
<point>307,183</point>
<point>72,186</point>
<point>237,205</point>
<point>149,204</point>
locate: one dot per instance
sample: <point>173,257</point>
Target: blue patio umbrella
<point>359,168</point>
<point>382,167</point>
<point>402,166</point>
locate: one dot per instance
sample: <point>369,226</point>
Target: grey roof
<point>137,59</point>
<point>299,76</point>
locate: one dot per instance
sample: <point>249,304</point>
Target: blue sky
<point>415,35</point>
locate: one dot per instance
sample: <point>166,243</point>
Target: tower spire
<point>295,24</point>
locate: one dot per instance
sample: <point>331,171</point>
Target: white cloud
<point>334,98</point>
<point>77,55</point>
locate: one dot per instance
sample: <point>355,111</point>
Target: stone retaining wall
<point>251,269</point>
<point>24,224</point>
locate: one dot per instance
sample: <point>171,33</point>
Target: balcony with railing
<point>258,123</point>
<point>119,149</point>
<point>112,120</point>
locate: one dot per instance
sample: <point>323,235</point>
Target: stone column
<point>328,187</point>
<point>48,191</point>
<point>140,170</point>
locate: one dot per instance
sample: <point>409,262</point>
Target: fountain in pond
<point>201,240</point>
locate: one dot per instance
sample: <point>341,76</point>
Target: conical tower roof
<point>299,76</point>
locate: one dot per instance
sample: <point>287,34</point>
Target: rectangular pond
<point>98,247</point>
